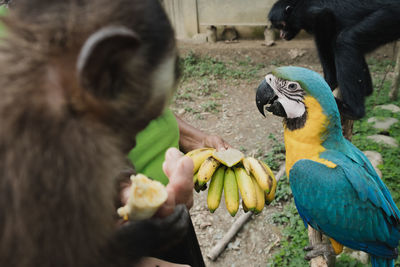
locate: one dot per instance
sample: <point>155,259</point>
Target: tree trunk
<point>394,92</point>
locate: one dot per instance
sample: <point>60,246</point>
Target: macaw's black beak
<point>266,97</point>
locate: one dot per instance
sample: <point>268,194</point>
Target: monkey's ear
<point>103,55</point>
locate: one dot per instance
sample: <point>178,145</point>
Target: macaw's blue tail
<point>382,262</point>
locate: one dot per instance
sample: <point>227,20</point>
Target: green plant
<point>283,191</point>
<point>276,155</point>
<point>344,260</point>
<point>194,67</point>
<point>295,239</point>
<point>210,106</point>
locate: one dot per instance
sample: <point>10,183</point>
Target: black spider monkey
<point>344,30</point>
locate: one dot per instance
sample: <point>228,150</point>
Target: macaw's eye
<point>292,86</point>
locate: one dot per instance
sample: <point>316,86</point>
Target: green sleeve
<point>3,11</point>
<point>151,145</point>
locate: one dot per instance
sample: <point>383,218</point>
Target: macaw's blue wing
<point>349,203</point>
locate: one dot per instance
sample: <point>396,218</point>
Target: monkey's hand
<point>151,237</point>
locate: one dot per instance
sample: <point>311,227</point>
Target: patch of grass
<point>276,155</point>
<point>380,65</point>
<point>344,260</point>
<point>283,191</point>
<point>194,67</point>
<point>211,106</point>
<point>295,239</point>
<point>206,87</point>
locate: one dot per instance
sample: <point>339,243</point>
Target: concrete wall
<point>183,16</point>
<point>190,17</point>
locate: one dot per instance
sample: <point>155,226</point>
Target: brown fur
<point>61,144</point>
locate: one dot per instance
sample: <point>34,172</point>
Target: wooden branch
<point>314,238</point>
<point>236,226</point>
<point>394,92</point>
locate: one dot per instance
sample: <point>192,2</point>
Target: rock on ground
<point>376,159</point>
<point>386,140</point>
<point>382,124</point>
<point>391,107</point>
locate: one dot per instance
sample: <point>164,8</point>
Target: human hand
<point>150,261</point>
<point>179,170</point>
<point>216,142</point>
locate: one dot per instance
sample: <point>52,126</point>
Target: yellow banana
<point>271,195</point>
<point>215,189</point>
<point>231,192</point>
<point>199,156</point>
<point>195,177</point>
<point>259,171</point>
<point>259,195</point>
<point>246,187</point>
<point>207,169</point>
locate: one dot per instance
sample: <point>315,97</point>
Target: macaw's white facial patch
<point>292,108</point>
<point>290,95</point>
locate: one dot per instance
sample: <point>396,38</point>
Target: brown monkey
<point>78,80</point>
<point>211,34</point>
<point>230,34</point>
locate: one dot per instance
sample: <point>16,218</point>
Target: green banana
<point>231,192</point>
<point>215,189</point>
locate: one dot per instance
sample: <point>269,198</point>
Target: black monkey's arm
<point>352,43</point>
<point>323,27</point>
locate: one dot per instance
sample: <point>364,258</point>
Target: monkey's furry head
<point>129,75</point>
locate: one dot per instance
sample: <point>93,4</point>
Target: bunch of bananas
<point>231,172</point>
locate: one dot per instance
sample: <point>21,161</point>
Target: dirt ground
<point>239,122</point>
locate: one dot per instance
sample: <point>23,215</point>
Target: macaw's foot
<point>322,249</point>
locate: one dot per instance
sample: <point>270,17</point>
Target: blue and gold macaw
<point>335,188</point>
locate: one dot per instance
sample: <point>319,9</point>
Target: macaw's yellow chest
<point>306,142</point>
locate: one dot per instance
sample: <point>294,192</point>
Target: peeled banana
<point>231,192</point>
<point>257,169</point>
<point>246,187</point>
<point>207,169</point>
<point>145,197</point>
<point>215,189</point>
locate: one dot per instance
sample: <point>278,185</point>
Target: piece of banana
<point>269,197</point>
<point>246,187</point>
<point>215,189</point>
<point>231,192</point>
<point>199,156</point>
<point>259,196</point>
<point>145,197</point>
<point>207,169</point>
<point>259,171</point>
